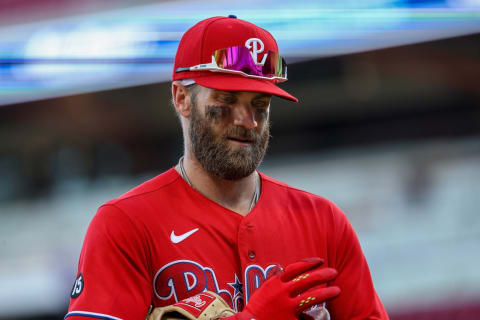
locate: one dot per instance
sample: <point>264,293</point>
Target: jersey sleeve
<point>358,298</point>
<point>113,279</point>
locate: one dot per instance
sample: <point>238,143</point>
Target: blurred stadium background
<point>388,127</point>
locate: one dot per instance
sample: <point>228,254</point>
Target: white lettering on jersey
<point>77,286</point>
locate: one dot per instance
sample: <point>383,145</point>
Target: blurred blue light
<point>117,45</point>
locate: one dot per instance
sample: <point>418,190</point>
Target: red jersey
<point>163,242</point>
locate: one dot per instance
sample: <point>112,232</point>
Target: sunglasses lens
<point>240,59</point>
<point>274,65</point>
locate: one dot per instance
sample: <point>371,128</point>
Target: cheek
<point>263,128</point>
<point>262,116</point>
<point>216,114</point>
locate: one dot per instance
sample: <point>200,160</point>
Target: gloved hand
<point>289,292</point>
<point>203,306</point>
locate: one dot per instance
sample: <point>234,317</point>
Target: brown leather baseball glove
<point>204,306</point>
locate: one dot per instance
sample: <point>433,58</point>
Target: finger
<point>316,296</point>
<point>293,270</point>
<point>310,280</point>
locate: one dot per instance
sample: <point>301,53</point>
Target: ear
<point>181,99</point>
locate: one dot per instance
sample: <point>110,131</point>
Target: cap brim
<point>229,82</point>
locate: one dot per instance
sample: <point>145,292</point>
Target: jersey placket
<point>246,247</point>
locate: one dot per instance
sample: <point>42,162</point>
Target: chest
<point>226,254</point>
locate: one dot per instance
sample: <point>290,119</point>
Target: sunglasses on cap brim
<point>239,60</point>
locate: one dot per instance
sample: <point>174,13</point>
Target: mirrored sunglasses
<point>239,60</point>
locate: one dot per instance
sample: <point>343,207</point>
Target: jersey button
<point>251,254</point>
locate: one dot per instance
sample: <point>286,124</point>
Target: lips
<point>239,139</point>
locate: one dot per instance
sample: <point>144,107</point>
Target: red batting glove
<point>288,292</point>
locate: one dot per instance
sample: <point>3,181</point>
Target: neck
<point>235,195</point>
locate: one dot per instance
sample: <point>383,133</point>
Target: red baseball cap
<point>200,41</point>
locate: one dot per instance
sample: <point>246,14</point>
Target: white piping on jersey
<point>91,315</point>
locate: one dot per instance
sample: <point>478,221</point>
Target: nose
<point>244,116</point>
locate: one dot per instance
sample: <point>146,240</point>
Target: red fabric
<point>128,260</point>
<point>286,294</point>
<point>201,40</point>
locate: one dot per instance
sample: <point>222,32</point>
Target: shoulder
<point>145,199</point>
<point>279,187</point>
<point>302,201</point>
<point>157,184</point>
<point>270,182</point>
<point>127,211</point>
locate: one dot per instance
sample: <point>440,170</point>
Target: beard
<point>215,153</point>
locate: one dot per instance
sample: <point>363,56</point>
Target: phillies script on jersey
<point>164,241</point>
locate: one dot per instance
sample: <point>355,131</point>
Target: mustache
<point>242,133</point>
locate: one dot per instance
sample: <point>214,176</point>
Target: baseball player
<point>214,231</point>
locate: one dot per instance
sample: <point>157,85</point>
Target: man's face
<point>229,131</point>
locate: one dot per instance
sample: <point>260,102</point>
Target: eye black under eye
<point>216,112</point>
<point>227,99</point>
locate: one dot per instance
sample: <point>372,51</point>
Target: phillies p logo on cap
<point>254,43</point>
